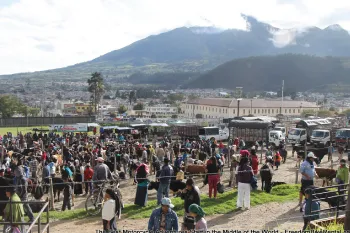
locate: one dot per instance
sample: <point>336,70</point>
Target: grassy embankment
<point>225,203</point>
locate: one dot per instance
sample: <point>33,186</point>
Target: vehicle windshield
<point>294,132</point>
<point>273,135</point>
<point>342,133</point>
<point>318,134</point>
<point>280,129</point>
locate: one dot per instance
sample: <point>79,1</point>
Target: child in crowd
<point>67,195</point>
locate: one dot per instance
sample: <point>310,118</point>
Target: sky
<point>46,34</point>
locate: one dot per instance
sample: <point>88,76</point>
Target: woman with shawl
<point>142,185</point>
<point>198,214</point>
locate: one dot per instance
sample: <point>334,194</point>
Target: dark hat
<point>189,182</point>
<point>11,189</point>
<point>166,159</point>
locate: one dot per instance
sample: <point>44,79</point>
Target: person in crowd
<point>78,179</point>
<point>3,184</point>
<point>213,170</point>
<point>308,172</point>
<point>233,168</point>
<point>166,173</point>
<point>255,163</point>
<point>310,209</point>
<point>109,210</point>
<point>142,184</point>
<point>277,159</point>
<point>190,195</point>
<point>163,218</point>
<point>21,190</point>
<point>198,214</point>
<point>46,170</point>
<point>101,172</point>
<point>88,174</point>
<point>14,211</point>
<point>342,177</point>
<point>244,175</point>
<point>67,195</point>
<point>340,152</point>
<point>33,167</point>
<point>266,172</point>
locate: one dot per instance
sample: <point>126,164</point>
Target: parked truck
<point>206,133</point>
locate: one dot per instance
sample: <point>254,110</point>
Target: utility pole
<point>282,97</point>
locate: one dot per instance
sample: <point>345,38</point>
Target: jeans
<point>163,191</point>
<point>112,227</point>
<point>243,199</point>
<point>213,181</point>
<point>306,223</point>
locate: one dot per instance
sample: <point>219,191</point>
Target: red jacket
<point>88,173</point>
<point>255,164</point>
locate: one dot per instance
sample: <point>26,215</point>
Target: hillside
<point>300,72</point>
<point>198,49</point>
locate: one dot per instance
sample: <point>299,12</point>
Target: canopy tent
<point>93,125</point>
<point>138,125</point>
<point>117,127</point>
<point>244,124</point>
<point>159,125</point>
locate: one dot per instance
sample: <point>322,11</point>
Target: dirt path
<point>267,216</point>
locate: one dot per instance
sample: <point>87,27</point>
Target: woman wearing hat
<point>197,212</point>
<point>13,211</point>
<point>142,185</point>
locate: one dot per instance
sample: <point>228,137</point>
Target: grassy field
<point>225,203</point>
<point>14,130</point>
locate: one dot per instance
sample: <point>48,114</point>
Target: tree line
<point>10,105</point>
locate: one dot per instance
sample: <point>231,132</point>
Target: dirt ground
<point>268,216</point>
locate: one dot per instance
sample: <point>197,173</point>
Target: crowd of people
<point>84,161</point>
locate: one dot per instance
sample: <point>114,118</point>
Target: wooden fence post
<point>52,206</point>
<point>296,176</point>
<point>347,215</point>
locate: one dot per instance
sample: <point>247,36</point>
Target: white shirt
<point>108,211</point>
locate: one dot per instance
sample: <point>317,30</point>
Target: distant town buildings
<point>224,107</point>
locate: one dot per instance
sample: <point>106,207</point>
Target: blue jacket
<point>171,220</point>
<point>315,205</point>
<point>166,172</point>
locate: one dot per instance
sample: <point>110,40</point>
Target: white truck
<point>322,137</point>
<point>276,137</point>
<point>297,136</point>
<point>209,133</point>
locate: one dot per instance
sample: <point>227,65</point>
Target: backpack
<point>39,192</point>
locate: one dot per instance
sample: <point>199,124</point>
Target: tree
<point>174,116</point>
<point>96,88</point>
<point>199,116</point>
<point>117,94</point>
<point>10,105</point>
<point>192,97</point>
<point>122,109</point>
<point>33,112</point>
<point>172,98</point>
<point>139,106</point>
<point>324,113</point>
<point>307,113</point>
<point>112,115</point>
<point>132,97</point>
<point>332,109</point>
<point>153,116</point>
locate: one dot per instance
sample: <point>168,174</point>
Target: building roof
<point>247,103</point>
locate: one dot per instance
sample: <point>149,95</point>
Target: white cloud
<point>46,34</point>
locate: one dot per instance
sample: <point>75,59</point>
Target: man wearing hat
<point>308,172</point>
<point>163,218</point>
<point>164,180</point>
<point>101,171</point>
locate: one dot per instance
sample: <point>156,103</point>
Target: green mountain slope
<point>300,72</point>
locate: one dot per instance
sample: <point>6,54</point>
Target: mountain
<point>300,73</point>
<point>198,49</point>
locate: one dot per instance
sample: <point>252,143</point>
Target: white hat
<point>100,159</point>
<point>167,201</point>
<point>311,155</point>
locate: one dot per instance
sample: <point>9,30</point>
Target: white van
<point>276,137</point>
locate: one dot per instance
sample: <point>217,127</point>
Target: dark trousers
<point>88,186</point>
<point>306,223</point>
<point>66,203</point>
<point>112,225</point>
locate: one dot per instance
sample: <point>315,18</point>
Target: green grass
<point>335,227</point>
<point>225,203</point>
<point>14,130</point>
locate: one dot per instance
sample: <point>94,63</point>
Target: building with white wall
<point>225,107</point>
